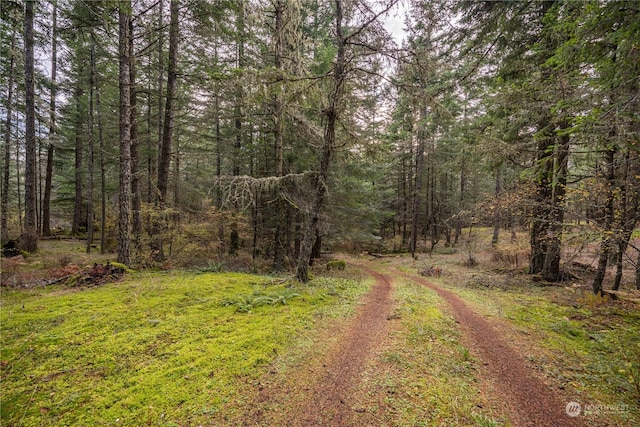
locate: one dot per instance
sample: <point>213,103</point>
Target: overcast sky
<point>394,21</point>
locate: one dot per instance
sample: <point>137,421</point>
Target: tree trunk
<point>90,154</point>
<point>150,164</point>
<point>316,251</point>
<point>164,156</point>
<point>417,191</point>
<point>39,181</point>
<point>496,215</point>
<point>160,86</point>
<point>278,131</point>
<point>103,173</point>
<point>234,238</point>
<point>176,175</point>
<point>169,113</point>
<point>219,142</point>
<point>240,24</point>
<point>551,267</point>
<point>434,208</point>
<point>607,238</point>
<point>46,202</point>
<point>18,181</point>
<point>328,146</point>
<point>463,190</point>
<point>638,271</point>
<point>7,146</point>
<point>136,192</point>
<point>401,202</point>
<point>542,198</point>
<point>124,228</point>
<point>77,201</point>
<point>630,197</point>
<point>29,242</point>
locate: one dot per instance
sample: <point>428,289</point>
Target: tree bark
<point>164,153</point>
<point>219,142</point>
<point>78,199</point>
<point>463,192</point>
<point>417,191</point>
<point>551,267</point>
<point>234,236</point>
<point>328,146</point>
<point>18,180</point>
<point>240,24</point>
<point>176,175</point>
<point>90,154</point>
<point>103,173</point>
<point>278,131</point>
<point>160,86</point>
<point>29,241</point>
<point>629,191</point>
<point>542,198</point>
<point>46,203</point>
<point>169,113</point>
<point>607,238</point>
<point>124,228</point>
<point>136,192</point>
<point>4,227</point>
<point>496,216</point>
<point>638,271</point>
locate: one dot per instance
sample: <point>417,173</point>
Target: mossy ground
<point>156,349</point>
<point>182,348</point>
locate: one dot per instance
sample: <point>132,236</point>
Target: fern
<point>246,303</point>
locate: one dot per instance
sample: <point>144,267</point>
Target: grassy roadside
<point>159,349</point>
<point>588,346</point>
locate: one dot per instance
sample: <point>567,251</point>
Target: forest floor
<point>378,344</point>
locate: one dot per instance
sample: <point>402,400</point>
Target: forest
<point>186,132</point>
<point>320,213</point>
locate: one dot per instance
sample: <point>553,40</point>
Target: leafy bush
<point>246,303</point>
<point>336,265</point>
<point>212,267</point>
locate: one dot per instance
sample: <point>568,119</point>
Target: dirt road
<point>326,398</point>
<point>528,400</point>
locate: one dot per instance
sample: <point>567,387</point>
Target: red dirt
<point>329,402</point>
<point>528,400</point>
<point>326,393</point>
<point>322,394</point>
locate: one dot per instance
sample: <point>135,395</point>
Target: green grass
<point>159,349</point>
<point>588,345</point>
<point>428,376</point>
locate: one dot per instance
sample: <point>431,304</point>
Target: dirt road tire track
<point>328,399</point>
<point>329,403</point>
<point>529,401</point>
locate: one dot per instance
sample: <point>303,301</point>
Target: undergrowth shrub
<point>212,267</point>
<point>189,239</point>
<point>336,265</point>
<point>246,303</point>
<point>509,255</point>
